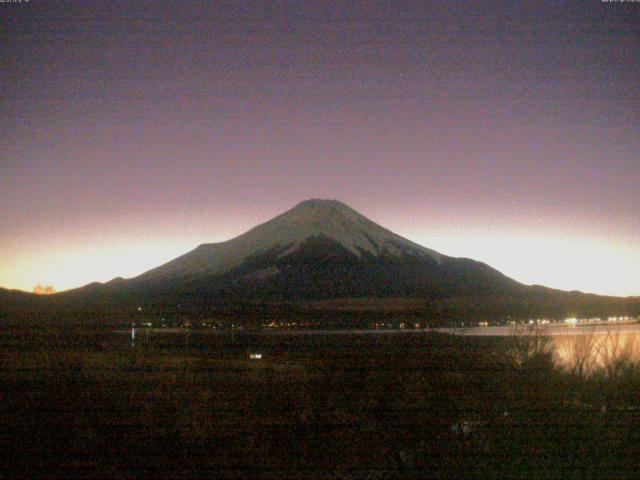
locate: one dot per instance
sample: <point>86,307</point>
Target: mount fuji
<point>322,249</point>
<point>322,255</point>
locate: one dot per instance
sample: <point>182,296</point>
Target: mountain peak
<point>310,219</point>
<point>322,203</point>
<point>316,207</point>
<point>314,210</point>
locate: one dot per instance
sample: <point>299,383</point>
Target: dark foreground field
<point>412,405</point>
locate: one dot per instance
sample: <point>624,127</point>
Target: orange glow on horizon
<point>44,289</point>
<point>590,265</point>
<point>540,254</point>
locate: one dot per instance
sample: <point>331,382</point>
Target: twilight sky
<point>504,131</point>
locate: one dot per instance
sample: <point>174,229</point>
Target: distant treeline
<point>116,308</point>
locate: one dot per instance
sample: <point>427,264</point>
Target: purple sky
<point>508,132</point>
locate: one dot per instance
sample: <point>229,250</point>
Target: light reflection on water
<point>582,349</point>
<point>592,351</point>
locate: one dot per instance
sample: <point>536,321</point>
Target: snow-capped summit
<point>336,221</point>
<point>283,235</point>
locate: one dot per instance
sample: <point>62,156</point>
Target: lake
<point>582,347</point>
